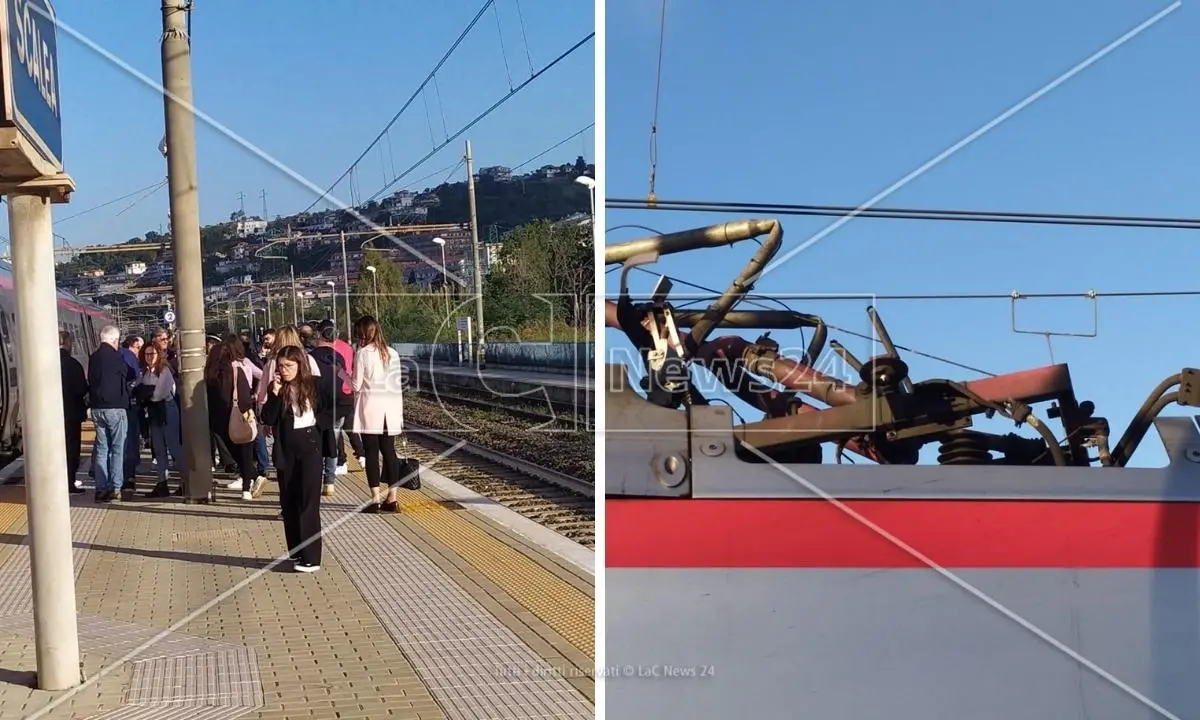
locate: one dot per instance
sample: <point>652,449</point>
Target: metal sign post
<point>464,326</point>
<point>32,178</point>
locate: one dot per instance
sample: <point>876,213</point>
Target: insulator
<point>964,449</point>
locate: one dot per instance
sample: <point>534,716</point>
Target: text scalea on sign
<point>34,54</point>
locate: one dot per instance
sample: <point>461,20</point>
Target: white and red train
<point>81,318</point>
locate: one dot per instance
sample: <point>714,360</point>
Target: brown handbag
<point>243,428</point>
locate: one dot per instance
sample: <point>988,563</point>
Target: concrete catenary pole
<point>478,268</point>
<point>56,635</point>
<point>346,287</point>
<point>185,236</point>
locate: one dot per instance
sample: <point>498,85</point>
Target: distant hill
<point>548,193</point>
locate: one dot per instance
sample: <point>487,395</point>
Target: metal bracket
<point>57,188</point>
<point>1090,294</point>
<point>646,446</point>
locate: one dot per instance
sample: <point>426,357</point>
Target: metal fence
<point>566,357</point>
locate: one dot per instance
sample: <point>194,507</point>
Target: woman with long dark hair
<point>225,379</point>
<point>378,411</point>
<point>158,390</point>
<point>298,407</point>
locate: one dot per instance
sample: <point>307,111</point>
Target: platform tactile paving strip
<point>225,677</point>
<point>16,592</point>
<point>472,663</point>
<point>567,610</point>
<point>226,683</point>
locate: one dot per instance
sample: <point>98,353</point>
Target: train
<point>82,319</point>
<point>745,572</point>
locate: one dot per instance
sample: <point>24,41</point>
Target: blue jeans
<point>329,477</point>
<point>166,440</point>
<point>112,426</point>
<point>260,448</point>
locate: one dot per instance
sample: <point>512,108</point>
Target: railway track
<point>550,498</point>
<point>535,411</point>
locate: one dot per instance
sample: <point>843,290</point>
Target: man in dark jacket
<point>333,369</point>
<point>75,399</point>
<point>109,379</point>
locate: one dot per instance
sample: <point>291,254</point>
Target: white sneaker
<point>257,488</point>
<point>247,495</point>
<point>362,461</point>
<point>341,470</point>
<point>235,485</point>
<point>78,483</point>
<point>301,567</point>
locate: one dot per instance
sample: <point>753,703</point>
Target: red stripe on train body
<point>813,533</point>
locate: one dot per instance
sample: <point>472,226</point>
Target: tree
<point>407,311</point>
<point>544,280</point>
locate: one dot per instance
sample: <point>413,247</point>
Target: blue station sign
<point>31,91</point>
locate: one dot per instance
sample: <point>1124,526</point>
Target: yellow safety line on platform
<point>567,610</point>
<point>557,603</point>
<point>12,507</point>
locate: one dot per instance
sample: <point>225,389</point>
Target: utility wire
<point>770,303</point>
<point>418,91</point>
<point>910,213</point>
<point>148,188</point>
<point>761,301</point>
<point>662,34</point>
<point>1014,295</point>
<point>485,113</point>
<point>555,146</point>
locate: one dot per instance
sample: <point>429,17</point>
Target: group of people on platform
<point>304,392</point>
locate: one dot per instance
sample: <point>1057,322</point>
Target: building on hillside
<point>135,268</point>
<point>497,173</point>
<point>250,227</point>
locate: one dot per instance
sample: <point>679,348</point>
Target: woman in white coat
<point>378,411</point>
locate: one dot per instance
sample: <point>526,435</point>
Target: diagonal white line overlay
<point>937,159</point>
<point>286,557</point>
<point>966,586</point>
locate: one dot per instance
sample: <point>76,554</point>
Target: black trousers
<point>243,455</point>
<point>300,493</point>
<point>74,432</point>
<point>376,446</point>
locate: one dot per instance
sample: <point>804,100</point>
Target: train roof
<point>65,297</point>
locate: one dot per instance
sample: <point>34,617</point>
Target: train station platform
<point>187,611</point>
<point>560,388</point>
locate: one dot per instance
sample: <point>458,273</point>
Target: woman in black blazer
<point>299,409</point>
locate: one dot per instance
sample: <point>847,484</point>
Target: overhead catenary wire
<point>770,303</point>
<point>662,35</point>
<point>148,188</point>
<point>420,89</point>
<point>896,213</point>
<point>555,146</point>
<point>494,106</point>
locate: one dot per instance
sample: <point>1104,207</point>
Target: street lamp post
<point>441,242</point>
<point>375,282</point>
<point>333,300</point>
<point>590,184</point>
<point>291,269</point>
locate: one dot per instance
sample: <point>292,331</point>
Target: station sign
<point>31,111</point>
<point>169,316</point>
<point>464,324</point>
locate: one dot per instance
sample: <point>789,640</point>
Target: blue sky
<point>830,103</point>
<point>312,84</point>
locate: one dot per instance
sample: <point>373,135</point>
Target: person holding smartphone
<point>299,410</point>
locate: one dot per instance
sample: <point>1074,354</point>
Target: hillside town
<point>315,255</point>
